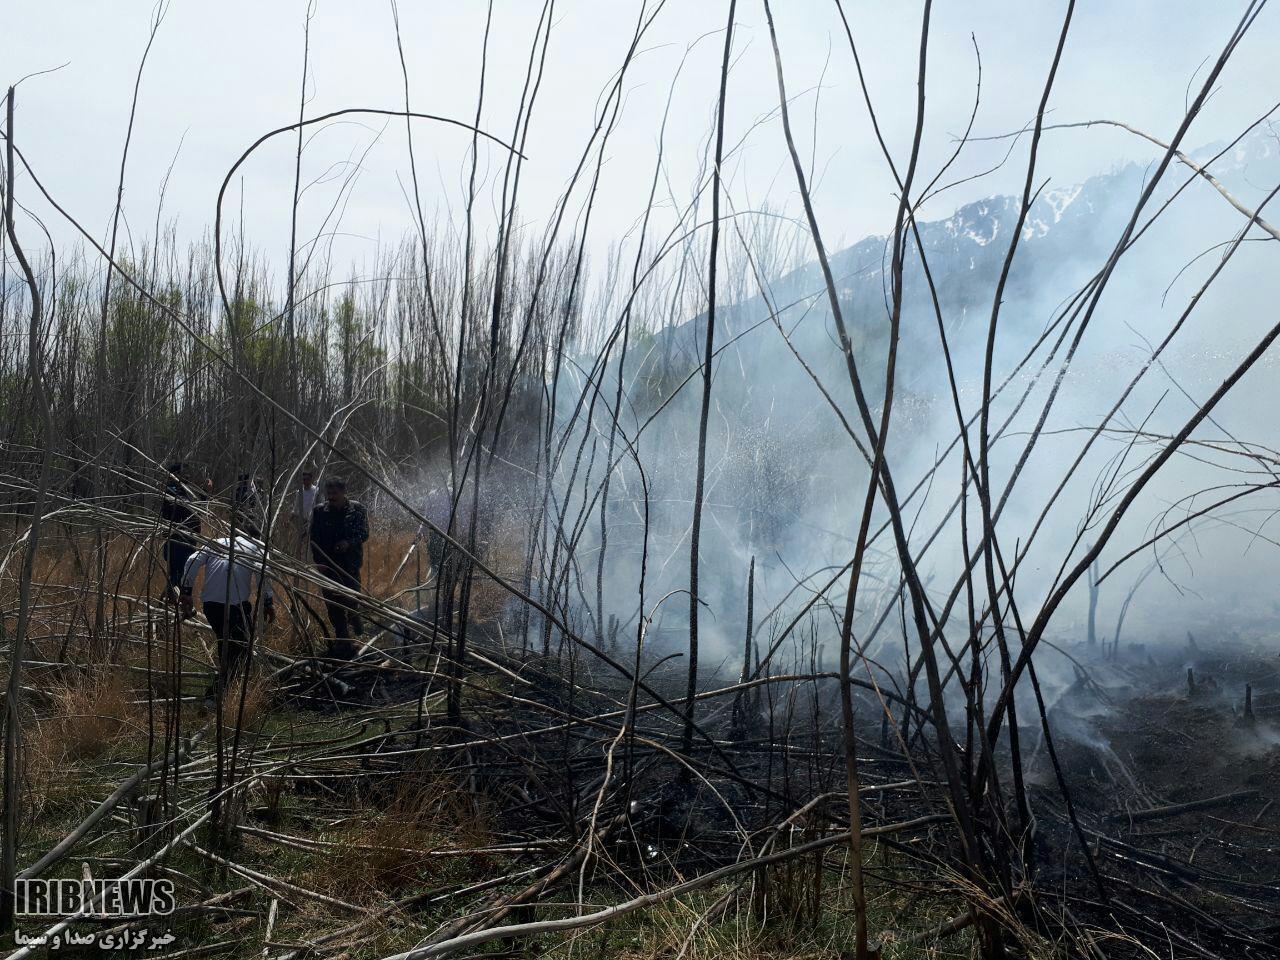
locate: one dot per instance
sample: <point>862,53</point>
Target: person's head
<point>335,491</point>
<point>176,470</point>
<point>308,478</point>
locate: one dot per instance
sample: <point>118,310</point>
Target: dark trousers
<point>176,555</point>
<point>233,626</point>
<point>344,612</point>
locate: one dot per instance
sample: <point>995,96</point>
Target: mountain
<point>1066,238</point>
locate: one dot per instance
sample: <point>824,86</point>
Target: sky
<point>221,74</point>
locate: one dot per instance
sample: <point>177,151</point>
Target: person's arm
<point>360,525</point>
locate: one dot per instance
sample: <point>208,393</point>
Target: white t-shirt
<point>305,502</point>
<point>226,581</point>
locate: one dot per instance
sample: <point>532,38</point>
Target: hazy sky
<point>220,74</point>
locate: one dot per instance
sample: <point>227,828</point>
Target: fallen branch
<point>1174,809</point>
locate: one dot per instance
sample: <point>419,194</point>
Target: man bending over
<point>232,577</point>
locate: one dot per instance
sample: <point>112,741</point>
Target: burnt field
<point>1173,764</point>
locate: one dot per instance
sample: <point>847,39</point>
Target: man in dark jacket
<point>339,528</point>
<point>180,523</point>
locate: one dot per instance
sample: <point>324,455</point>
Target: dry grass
<point>87,717</point>
<point>257,701</point>
<point>386,850</point>
<point>80,722</point>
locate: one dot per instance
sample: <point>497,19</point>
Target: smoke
<point>785,481</point>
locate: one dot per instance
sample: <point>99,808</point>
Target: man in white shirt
<point>306,500</point>
<point>233,574</point>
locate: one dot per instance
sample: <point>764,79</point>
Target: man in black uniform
<point>339,528</point>
<point>181,523</point>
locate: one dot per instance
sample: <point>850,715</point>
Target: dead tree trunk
<point>13,729</point>
<point>708,355</point>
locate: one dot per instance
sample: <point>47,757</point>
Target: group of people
<point>234,567</point>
